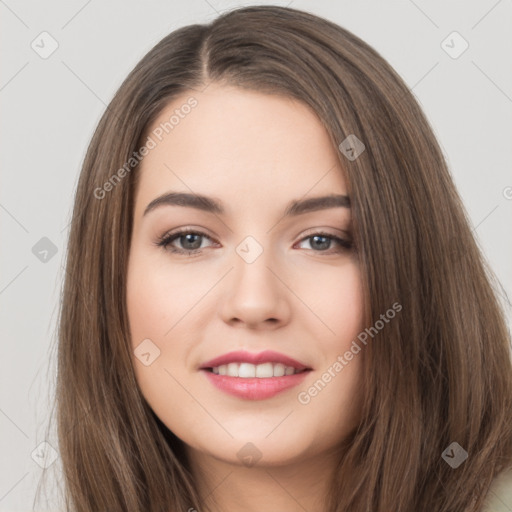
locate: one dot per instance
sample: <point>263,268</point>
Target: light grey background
<point>51,106</point>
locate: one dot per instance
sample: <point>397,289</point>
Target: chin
<point>258,450</point>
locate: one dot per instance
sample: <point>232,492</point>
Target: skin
<point>255,153</point>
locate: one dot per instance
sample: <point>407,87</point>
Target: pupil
<point>193,243</point>
<point>322,245</point>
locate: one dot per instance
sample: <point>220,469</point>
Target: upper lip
<point>242,356</point>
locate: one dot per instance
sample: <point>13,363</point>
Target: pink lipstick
<point>254,376</point>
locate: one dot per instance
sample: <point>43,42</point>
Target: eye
<point>191,241</point>
<point>322,242</point>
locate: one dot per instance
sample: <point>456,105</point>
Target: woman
<point>273,298</point>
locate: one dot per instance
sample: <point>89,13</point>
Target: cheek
<point>334,296</point>
<point>158,296</point>
<point>328,405</point>
<point>153,309</point>
<point>160,341</point>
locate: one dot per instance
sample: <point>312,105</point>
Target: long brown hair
<point>439,373</point>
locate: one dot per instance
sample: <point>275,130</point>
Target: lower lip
<point>255,388</point>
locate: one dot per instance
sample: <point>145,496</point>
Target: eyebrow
<point>212,205</point>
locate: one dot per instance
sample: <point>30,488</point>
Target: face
<point>257,272</point>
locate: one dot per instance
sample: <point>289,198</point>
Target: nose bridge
<point>256,294</point>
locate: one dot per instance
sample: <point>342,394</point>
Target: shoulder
<point>499,498</point>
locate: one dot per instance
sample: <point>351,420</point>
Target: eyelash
<point>165,242</point>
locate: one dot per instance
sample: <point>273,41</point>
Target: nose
<point>256,295</point>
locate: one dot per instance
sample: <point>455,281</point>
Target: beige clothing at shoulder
<point>499,498</point>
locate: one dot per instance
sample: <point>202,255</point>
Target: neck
<point>294,487</point>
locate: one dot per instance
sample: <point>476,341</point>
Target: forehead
<point>241,146</point>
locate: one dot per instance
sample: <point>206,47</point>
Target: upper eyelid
<point>309,232</point>
<point>204,231</point>
<point>185,231</point>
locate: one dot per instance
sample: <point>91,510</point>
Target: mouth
<point>254,376</point>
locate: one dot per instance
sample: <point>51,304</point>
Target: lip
<point>254,388</point>
<point>267,356</point>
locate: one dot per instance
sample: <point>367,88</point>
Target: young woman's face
<point>256,274</point>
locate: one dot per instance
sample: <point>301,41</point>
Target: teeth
<point>266,370</point>
<point>248,370</point>
<point>232,369</point>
